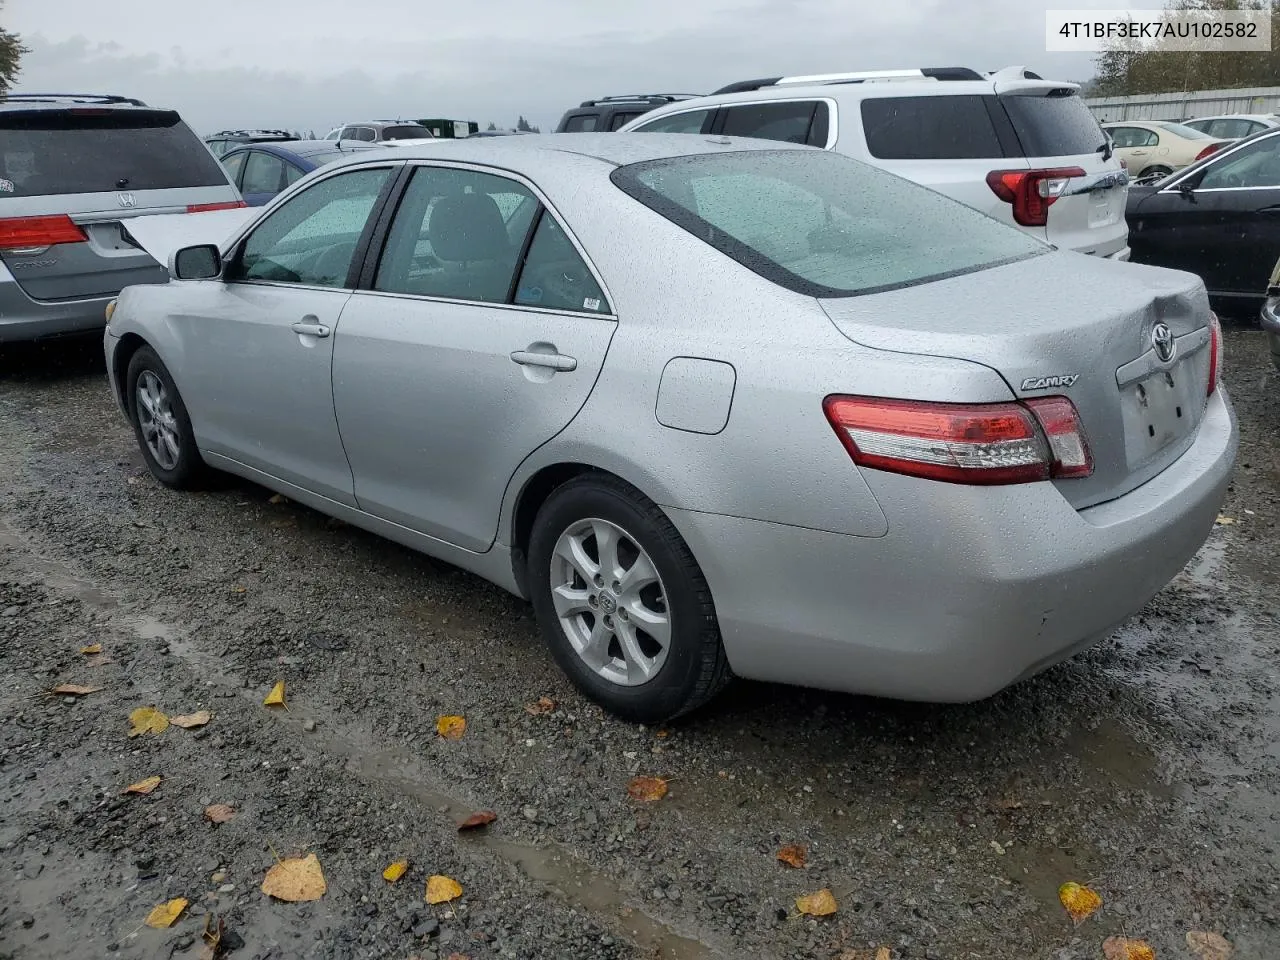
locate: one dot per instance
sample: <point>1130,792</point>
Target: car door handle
<point>310,329</point>
<point>552,361</point>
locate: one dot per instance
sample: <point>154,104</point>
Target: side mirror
<point>202,262</point>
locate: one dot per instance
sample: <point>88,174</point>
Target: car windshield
<point>822,224</point>
<point>1182,130</point>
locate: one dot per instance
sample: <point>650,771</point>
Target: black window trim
<point>370,255</point>
<point>626,180</point>
<point>235,249</point>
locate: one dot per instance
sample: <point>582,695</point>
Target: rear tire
<point>1156,171</point>
<point>161,424</point>
<point>642,641</point>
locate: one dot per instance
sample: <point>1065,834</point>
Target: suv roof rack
<point>918,73</point>
<point>640,98</point>
<point>71,98</point>
<point>252,133</point>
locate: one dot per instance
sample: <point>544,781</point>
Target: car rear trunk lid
<point>1063,324</point>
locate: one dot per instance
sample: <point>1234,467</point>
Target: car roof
<point>616,149</point>
<point>1235,116</point>
<point>299,149</point>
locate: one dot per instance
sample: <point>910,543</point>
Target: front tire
<point>161,424</point>
<point>622,603</point>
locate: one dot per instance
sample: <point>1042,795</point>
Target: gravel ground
<point>1146,768</point>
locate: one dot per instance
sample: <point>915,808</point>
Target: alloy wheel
<point>157,421</point>
<point>610,602</point>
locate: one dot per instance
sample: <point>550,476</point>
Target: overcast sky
<point>312,65</point>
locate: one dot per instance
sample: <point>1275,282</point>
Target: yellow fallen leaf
<point>820,904</point>
<point>647,789</point>
<point>793,855</point>
<point>217,813</point>
<point>1122,948</point>
<point>883,954</point>
<point>442,889</point>
<point>540,706</point>
<point>165,914</point>
<point>74,690</point>
<point>1208,946</point>
<point>296,879</point>
<point>238,589</point>
<point>91,649</point>
<point>1225,521</point>
<point>451,727</point>
<point>276,697</point>
<point>189,720</point>
<point>277,498</point>
<point>395,871</point>
<point>143,786</point>
<point>147,720</point>
<point>1080,901</point>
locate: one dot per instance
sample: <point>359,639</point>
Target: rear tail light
<point>209,207</point>
<point>1032,192</point>
<point>1215,352</point>
<point>1211,148</point>
<point>988,443</point>
<point>36,233</point>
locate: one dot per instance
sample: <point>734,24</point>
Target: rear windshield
<point>1183,131</point>
<point>1053,126</point>
<point>406,132</point>
<point>821,224</point>
<point>57,152</point>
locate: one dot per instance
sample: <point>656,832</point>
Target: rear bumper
<point>1270,320</point>
<point>22,318</point>
<point>972,588</point>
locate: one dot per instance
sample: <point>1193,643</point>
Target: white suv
<point>1024,150</point>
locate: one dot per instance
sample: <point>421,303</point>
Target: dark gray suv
<point>74,169</point>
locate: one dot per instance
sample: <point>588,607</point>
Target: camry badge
<point>1044,383</point>
<point>1162,340</point>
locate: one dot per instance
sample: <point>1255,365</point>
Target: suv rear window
<point>954,127</point>
<point>1053,126</point>
<point>406,132</point>
<point>47,152</point>
<point>821,224</point>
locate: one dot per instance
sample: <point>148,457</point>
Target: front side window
<point>788,121</point>
<point>263,173</point>
<point>311,237</point>
<point>690,121</point>
<point>450,236</point>
<point>234,163</point>
<point>821,224</point>
<point>930,128</point>
<point>1255,165</point>
<point>554,275</point>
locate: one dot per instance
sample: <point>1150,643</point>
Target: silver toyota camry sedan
<point>714,406</point>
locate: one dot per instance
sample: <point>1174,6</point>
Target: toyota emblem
<point>1162,340</point>
<point>126,200</point>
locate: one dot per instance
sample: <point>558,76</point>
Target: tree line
<point>1155,70</point>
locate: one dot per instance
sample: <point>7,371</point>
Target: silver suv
<point>376,131</point>
<point>74,169</point>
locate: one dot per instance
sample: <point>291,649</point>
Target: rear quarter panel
<point>777,458</point>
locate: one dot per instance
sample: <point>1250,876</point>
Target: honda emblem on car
<point>126,199</point>
<point>1162,340</point>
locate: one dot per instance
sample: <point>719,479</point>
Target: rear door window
<point>620,118</point>
<point>263,173</point>
<point>49,152</point>
<point>1053,126</point>
<point>234,164</point>
<point>930,128</point>
<point>691,121</point>
<point>789,121</point>
<point>554,275</point>
<point>406,131</point>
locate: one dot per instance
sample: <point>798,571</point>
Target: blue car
<point>261,170</point>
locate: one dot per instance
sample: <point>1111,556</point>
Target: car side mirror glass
<point>202,262</point>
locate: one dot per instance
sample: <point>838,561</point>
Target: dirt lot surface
<point>1148,768</point>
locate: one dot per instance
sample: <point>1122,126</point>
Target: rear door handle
<point>310,329</point>
<point>552,361</point>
